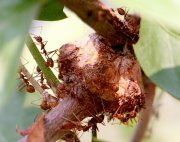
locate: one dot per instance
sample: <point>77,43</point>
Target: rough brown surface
<point>95,67</point>
<point>104,20</point>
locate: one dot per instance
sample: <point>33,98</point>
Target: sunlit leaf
<point>158,53</point>
<point>52,10</point>
<point>15,19</point>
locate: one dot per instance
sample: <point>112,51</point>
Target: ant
<point>29,87</point>
<point>49,101</point>
<point>121,11</point>
<point>121,117</point>
<point>75,124</point>
<point>42,44</point>
<point>91,123</point>
<point>43,85</point>
<point>49,62</point>
<point>97,119</point>
<point>125,118</point>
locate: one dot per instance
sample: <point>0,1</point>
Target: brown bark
<point>104,21</point>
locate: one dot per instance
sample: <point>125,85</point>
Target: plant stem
<point>94,133</point>
<point>145,114</point>
<point>49,75</point>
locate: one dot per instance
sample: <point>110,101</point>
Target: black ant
<point>29,87</point>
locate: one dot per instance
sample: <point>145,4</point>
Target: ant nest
<point>97,68</point>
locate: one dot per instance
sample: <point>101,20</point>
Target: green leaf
<point>165,11</point>
<point>15,19</point>
<point>52,10</point>
<point>158,52</point>
<point>18,111</point>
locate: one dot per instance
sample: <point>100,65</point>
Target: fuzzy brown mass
<point>96,68</point>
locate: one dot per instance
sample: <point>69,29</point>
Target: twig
<point>94,133</point>
<point>49,127</point>
<point>145,114</point>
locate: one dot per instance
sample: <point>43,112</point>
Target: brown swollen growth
<point>108,73</point>
<point>101,76</point>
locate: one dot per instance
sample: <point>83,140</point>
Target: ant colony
<point>105,81</point>
<point>49,98</point>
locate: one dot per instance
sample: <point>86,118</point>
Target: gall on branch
<point>98,79</point>
<point>101,76</point>
<point>95,68</point>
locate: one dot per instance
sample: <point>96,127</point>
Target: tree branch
<point>104,21</point>
<point>48,129</point>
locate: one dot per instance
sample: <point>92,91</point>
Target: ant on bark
<point>29,87</point>
<point>90,124</point>
<point>94,120</point>
<point>49,101</point>
<point>124,118</point>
